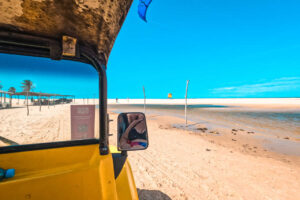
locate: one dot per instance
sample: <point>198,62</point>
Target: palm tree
<point>27,86</point>
<point>12,90</point>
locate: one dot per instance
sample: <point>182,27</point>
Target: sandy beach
<point>170,100</point>
<point>201,161</point>
<point>209,161</point>
<point>181,164</point>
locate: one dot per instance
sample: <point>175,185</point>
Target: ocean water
<point>279,122</point>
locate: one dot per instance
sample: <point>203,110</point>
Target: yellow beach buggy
<point>79,164</point>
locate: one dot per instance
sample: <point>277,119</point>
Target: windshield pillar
<point>103,140</point>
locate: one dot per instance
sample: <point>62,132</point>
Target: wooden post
<point>144,99</point>
<point>27,102</point>
<point>185,108</point>
<point>40,102</point>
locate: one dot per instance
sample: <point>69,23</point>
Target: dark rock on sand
<point>202,129</point>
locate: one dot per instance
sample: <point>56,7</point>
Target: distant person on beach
<point>116,100</point>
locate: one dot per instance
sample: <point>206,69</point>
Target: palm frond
<point>12,90</point>
<point>26,85</point>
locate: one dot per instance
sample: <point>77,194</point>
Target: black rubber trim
<point>119,160</point>
<point>51,145</point>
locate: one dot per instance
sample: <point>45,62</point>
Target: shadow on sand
<point>8,141</point>
<point>152,195</point>
<point>13,107</point>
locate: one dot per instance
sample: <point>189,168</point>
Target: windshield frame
<point>28,45</point>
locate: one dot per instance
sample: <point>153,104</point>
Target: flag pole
<point>144,99</point>
<point>185,108</point>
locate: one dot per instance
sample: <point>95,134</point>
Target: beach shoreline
<point>239,138</point>
<point>277,128</point>
<point>259,103</point>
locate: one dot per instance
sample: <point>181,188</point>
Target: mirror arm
<point>124,153</point>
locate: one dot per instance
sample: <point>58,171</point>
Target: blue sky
<point>49,76</point>
<point>225,48</point>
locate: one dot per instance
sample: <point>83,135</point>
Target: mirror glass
<point>132,131</point>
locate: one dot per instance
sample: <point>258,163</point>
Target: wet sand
<point>278,129</point>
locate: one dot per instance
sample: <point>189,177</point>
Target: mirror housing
<point>132,132</point>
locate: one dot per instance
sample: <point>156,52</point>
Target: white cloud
<point>276,85</point>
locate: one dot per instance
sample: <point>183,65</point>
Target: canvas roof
<point>41,94</point>
<point>5,92</point>
<point>93,22</point>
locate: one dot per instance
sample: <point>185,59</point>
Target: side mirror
<point>132,131</point>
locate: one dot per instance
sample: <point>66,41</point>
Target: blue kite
<point>142,8</point>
